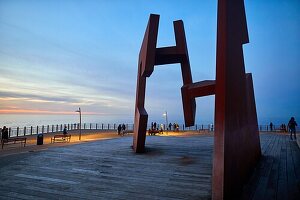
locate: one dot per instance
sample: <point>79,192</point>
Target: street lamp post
<point>79,110</point>
<point>166,115</point>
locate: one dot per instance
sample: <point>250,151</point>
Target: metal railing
<point>32,130</point>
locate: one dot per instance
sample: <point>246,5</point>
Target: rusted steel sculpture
<point>149,57</point>
<point>236,139</point>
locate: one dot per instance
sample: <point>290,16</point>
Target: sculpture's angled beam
<point>235,140</point>
<point>168,55</point>
<point>145,69</point>
<point>189,92</point>
<point>182,50</point>
<point>202,88</point>
<point>149,57</point>
<point>148,49</point>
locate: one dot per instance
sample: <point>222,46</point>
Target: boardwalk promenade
<point>173,168</point>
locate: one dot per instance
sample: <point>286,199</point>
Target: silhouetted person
<point>123,127</point>
<point>170,126</point>
<point>292,127</point>
<point>119,129</point>
<point>271,126</point>
<point>65,132</point>
<point>152,126</point>
<point>4,133</point>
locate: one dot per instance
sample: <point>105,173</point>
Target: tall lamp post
<point>166,116</point>
<point>79,110</point>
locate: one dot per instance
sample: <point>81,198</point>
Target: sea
<point>22,120</point>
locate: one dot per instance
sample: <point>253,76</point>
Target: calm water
<point>14,120</point>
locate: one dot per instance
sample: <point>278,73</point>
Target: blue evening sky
<point>57,55</point>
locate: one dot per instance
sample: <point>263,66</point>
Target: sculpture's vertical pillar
<point>145,68</point>
<point>234,124</point>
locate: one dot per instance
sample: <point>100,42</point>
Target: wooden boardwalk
<point>173,168</point>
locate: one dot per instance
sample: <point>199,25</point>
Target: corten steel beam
<point>145,69</point>
<point>149,57</point>
<point>236,141</point>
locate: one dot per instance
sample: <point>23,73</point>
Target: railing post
<point>56,127</point>
<point>24,130</point>
<point>17,131</point>
<point>267,128</point>
<point>90,125</point>
<point>183,127</point>
<point>84,126</point>
<point>96,126</point>
<point>9,132</point>
<point>47,128</point>
<point>114,126</point>
<point>108,126</point>
<point>30,130</point>
<point>60,127</point>
<point>52,128</point>
<point>43,129</point>
<point>37,129</point>
<point>102,126</point>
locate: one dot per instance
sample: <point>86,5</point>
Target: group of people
<point>121,129</point>
<point>291,127</point>
<point>175,126</point>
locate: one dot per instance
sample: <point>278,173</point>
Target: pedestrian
<point>4,133</point>
<point>271,126</point>
<point>292,127</point>
<point>65,130</point>
<point>170,126</point>
<point>119,129</point>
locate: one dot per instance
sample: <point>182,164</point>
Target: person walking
<point>119,129</point>
<point>4,133</point>
<point>292,127</point>
<point>271,126</point>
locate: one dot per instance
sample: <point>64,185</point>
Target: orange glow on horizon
<point>27,111</point>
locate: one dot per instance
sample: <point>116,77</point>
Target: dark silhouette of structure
<point>236,139</point>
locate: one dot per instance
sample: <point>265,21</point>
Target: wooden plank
<point>173,168</point>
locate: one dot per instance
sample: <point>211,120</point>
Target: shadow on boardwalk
<point>172,168</point>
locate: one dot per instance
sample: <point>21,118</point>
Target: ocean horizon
<point>22,120</point>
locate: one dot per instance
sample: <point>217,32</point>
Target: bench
<point>61,138</point>
<point>123,132</point>
<point>154,132</point>
<point>21,140</point>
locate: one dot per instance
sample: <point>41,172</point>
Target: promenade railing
<point>32,130</point>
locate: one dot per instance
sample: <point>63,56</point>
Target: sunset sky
<point>58,55</point>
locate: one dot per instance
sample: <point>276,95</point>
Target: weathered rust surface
<point>149,57</point>
<point>236,143</point>
<point>145,69</point>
